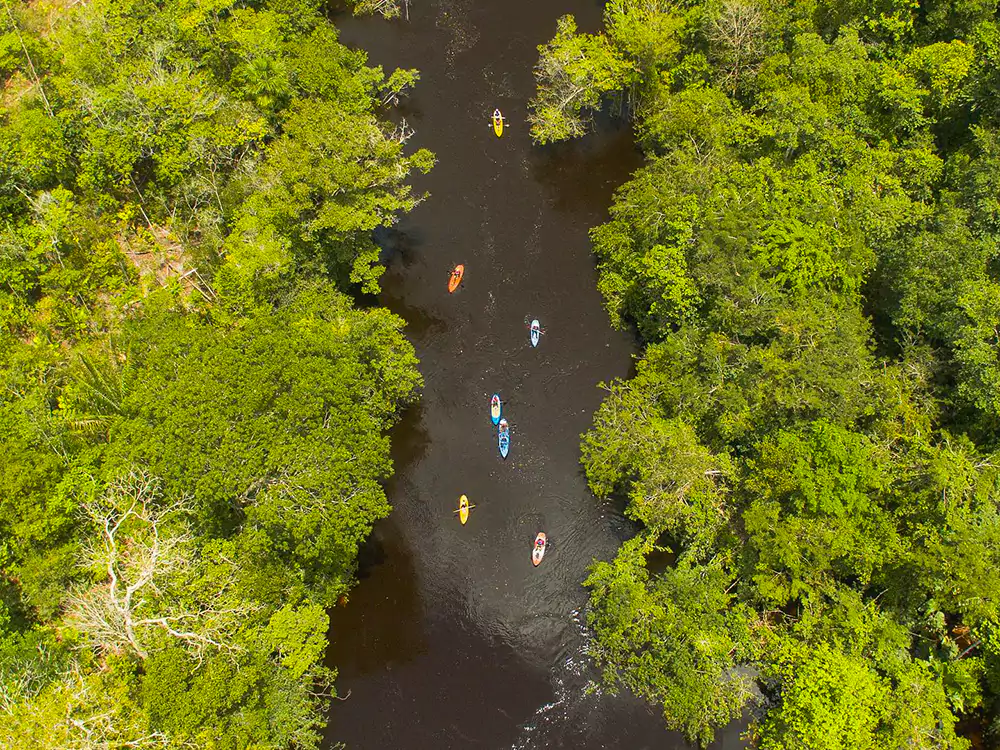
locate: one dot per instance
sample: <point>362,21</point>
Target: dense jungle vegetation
<point>193,414</point>
<point>810,257</point>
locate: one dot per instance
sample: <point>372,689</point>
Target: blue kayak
<point>495,408</point>
<point>536,332</point>
<point>504,438</point>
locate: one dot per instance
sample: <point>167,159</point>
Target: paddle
<point>459,510</point>
<point>527,324</point>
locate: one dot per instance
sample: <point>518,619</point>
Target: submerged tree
<point>384,8</point>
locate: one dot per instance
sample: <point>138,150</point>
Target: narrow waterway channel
<point>452,639</point>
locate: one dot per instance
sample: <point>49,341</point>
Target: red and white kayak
<point>538,551</point>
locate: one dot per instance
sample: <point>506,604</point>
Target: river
<point>451,638</point>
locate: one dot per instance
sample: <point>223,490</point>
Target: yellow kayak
<point>497,122</point>
<point>463,509</point>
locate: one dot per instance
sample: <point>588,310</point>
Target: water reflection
<point>409,444</point>
<point>419,321</point>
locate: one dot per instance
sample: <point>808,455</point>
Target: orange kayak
<point>538,551</point>
<point>456,277</point>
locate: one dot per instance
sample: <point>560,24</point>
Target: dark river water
<point>452,639</point>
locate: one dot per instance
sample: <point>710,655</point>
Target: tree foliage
<point>574,72</point>
<point>671,639</point>
<point>194,414</point>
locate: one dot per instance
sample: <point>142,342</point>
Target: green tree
<point>194,421</point>
<point>817,512</point>
<point>976,348</point>
<point>674,483</point>
<point>574,72</point>
<point>828,700</point>
<point>327,182</point>
<point>288,433</point>
<point>671,639</point>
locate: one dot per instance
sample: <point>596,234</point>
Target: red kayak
<point>538,552</point>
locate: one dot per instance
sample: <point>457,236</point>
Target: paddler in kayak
<point>538,551</point>
<point>498,122</point>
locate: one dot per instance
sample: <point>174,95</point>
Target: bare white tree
<point>96,723</point>
<point>24,678</point>
<point>737,32</point>
<point>402,132</point>
<point>145,552</point>
<point>78,712</point>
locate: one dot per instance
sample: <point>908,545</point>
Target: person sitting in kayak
<point>539,543</point>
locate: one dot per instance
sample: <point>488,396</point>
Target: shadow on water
<point>387,592</point>
<point>409,443</point>
<point>396,247</point>
<point>385,597</point>
<point>419,321</point>
<point>580,174</point>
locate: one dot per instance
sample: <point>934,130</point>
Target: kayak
<point>456,277</point>
<point>538,551</point>
<point>495,408</point>
<point>463,509</point>
<point>497,122</point>
<point>536,332</point>
<point>504,438</point>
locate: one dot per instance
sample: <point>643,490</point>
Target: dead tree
<point>385,8</point>
<point>737,33</point>
<point>147,561</point>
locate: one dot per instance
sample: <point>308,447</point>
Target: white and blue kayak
<point>495,408</point>
<point>536,332</point>
<point>504,438</point>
